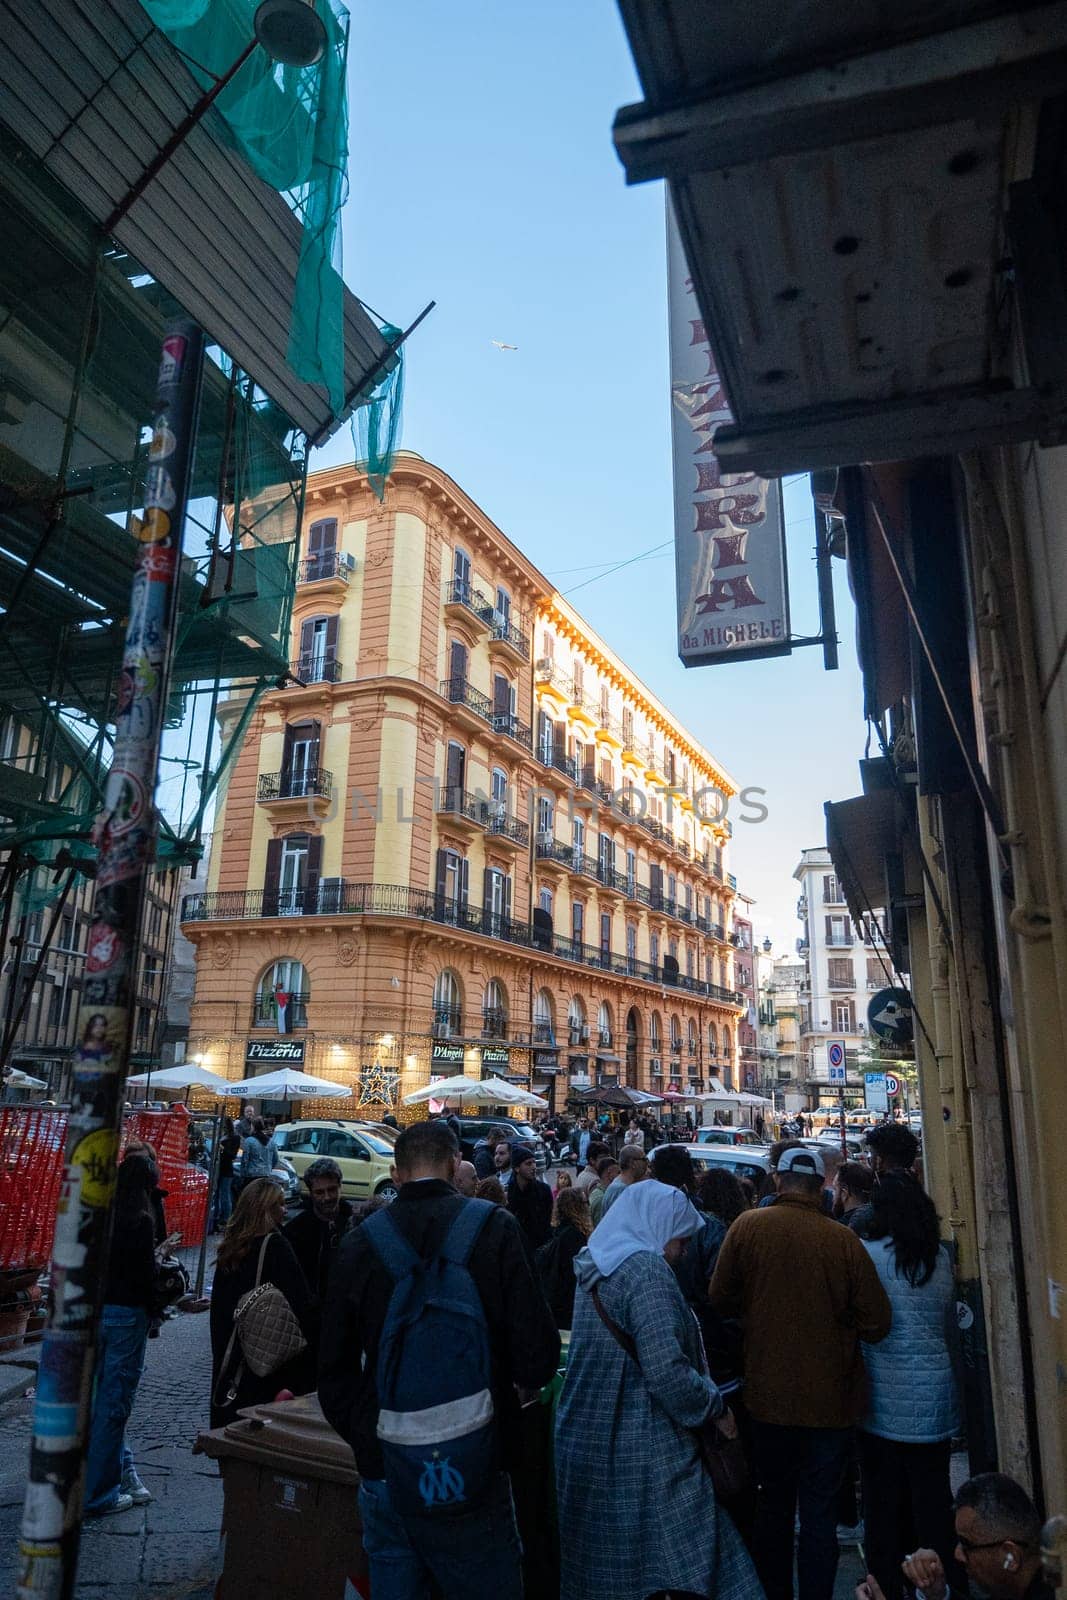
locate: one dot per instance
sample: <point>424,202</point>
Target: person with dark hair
<point>853,1184</point>
<point>607,1170</point>
<point>317,1230</point>
<point>529,1199</point>
<point>720,1194</point>
<point>633,1168</point>
<point>807,1293</point>
<point>998,1546</point>
<point>596,1150</point>
<point>259,1153</point>
<point>912,1414</point>
<point>893,1148</point>
<point>555,1260</point>
<point>229,1144</point>
<point>485,1149</point>
<point>476,1549</point>
<point>254,1251</point>
<point>696,1262</point>
<point>112,1482</point>
<point>493,1190</point>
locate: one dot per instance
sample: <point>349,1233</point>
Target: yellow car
<point>362,1150</point>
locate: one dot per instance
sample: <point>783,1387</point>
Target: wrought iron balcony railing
<point>295,785</point>
<point>328,565</point>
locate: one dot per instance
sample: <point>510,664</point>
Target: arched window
<point>655,1031</point>
<point>691,1037</point>
<point>447,1005</point>
<point>576,1023</point>
<point>713,1042</point>
<point>282,996</point>
<point>676,1035</point>
<point>495,1010</point>
<point>603,1024</point>
<point>544,1018</point>
<point>633,1035</point>
<point>498,795</point>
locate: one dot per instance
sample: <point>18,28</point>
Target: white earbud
<point>1009,1562</point>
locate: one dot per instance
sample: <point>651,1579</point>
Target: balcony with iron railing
<point>447,1022</point>
<point>504,632</point>
<point>494,1023</point>
<point>839,941</point>
<point>610,727</point>
<point>265,1011</point>
<point>507,723</point>
<point>319,569</point>
<point>544,1033</point>
<point>461,594</point>
<point>323,668</point>
<point>558,761</point>
<point>295,785</point>
<point>458,692</point>
<point>340,898</point>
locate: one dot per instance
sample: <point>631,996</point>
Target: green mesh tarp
<point>291,126</point>
<point>376,425</point>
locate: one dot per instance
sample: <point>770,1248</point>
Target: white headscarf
<point>645,1218</point>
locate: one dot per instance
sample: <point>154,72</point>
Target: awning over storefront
<point>860,834</point>
<point>853,158</point>
<point>215,236</point>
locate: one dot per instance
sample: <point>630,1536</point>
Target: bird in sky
<point>502,346</point>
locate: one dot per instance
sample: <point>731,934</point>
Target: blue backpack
<point>435,1421</point>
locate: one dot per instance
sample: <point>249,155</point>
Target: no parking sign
<point>835,1060</point>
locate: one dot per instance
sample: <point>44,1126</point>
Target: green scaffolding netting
<point>291,125</point>
<point>376,425</point>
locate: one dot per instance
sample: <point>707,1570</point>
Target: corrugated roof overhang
<point>837,177</point>
<point>93,89</point>
<point>860,833</point>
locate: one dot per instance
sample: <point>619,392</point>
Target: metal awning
<point>838,177</point>
<point>860,834</point>
<point>93,89</point>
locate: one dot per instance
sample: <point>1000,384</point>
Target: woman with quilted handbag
<point>263,1317</point>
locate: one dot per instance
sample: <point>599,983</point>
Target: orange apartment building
<point>464,836</point>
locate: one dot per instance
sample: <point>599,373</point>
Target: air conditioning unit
<point>346,561</point>
<point>543,664</point>
<point>331,895</point>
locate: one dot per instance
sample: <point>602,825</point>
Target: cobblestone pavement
<point>162,1551</point>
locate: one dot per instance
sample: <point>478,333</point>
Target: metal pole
<point>125,834</point>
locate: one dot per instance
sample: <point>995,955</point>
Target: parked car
<point>475,1128</point>
<point>360,1149</point>
<point>734,1136</point>
<point>744,1161</point>
<point>854,1143</point>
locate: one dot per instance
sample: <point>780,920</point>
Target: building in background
<point>748,1059</point>
<point>784,990</point>
<point>464,837</point>
<point>842,966</point>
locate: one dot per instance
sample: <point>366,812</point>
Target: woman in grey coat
<point>637,1512</point>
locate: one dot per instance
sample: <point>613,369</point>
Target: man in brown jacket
<point>807,1293</point>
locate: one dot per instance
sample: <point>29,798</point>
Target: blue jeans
<point>223,1200</point>
<point>120,1362</point>
<point>797,1468</point>
<point>477,1553</point>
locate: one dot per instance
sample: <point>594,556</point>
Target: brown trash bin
<point>290,1516</point>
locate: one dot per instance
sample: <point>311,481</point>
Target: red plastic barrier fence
<point>32,1142</point>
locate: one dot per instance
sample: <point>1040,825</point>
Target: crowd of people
<point>668,1321</point>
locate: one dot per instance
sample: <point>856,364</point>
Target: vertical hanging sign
<point>729,531</point>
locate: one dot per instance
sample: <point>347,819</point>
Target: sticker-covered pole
<point>125,836</point>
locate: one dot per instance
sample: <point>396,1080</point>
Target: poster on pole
<point>729,527</point>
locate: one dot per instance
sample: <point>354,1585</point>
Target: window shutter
<point>272,878</point>
<point>314,868</point>
<point>287,746</point>
<point>464,882</point>
<point>315,734</point>
<point>501,696</point>
<point>457,661</point>
<point>487,890</point>
<point>829,928</point>
<point>439,877</point>
<point>655,878</point>
<point>559,738</point>
<point>307,633</point>
<point>455,770</point>
<point>322,536</point>
<point>331,636</point>
<point>507,899</point>
<point>852,1016</point>
<point>544,733</point>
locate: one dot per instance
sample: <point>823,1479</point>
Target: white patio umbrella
<point>514,1096</point>
<point>186,1075</point>
<point>17,1079</point>
<point>476,1091</point>
<point>288,1084</point>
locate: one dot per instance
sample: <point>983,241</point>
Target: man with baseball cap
<point>807,1293</point>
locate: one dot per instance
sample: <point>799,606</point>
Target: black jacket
<point>532,1209</point>
<point>555,1269</point>
<point>279,1267</point>
<point>522,1335</point>
<point>131,1266</point>
<point>315,1243</point>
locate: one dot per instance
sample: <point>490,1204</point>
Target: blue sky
<point>483,177</point>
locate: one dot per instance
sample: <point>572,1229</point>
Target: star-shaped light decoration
<point>378,1086</point>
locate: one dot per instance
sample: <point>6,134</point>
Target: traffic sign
<point>892,1084</point>
<point>889,1016</point>
<point>835,1060</point>
<point>874,1095</point>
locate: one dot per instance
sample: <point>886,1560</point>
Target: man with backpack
<point>434,1332</point>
